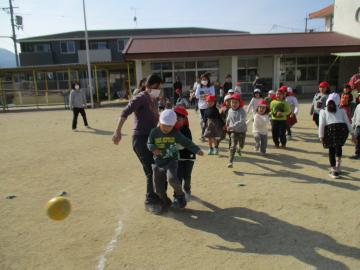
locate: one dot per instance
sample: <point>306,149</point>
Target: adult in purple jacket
<point>146,113</point>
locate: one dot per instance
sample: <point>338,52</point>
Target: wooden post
<point>96,85</point>
<point>36,89</point>
<point>108,84</point>
<point>129,80</point>
<point>46,89</point>
<point>13,85</point>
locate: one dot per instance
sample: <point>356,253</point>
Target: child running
<point>162,142</point>
<point>356,127</point>
<point>254,102</point>
<point>214,125</point>
<point>334,128</point>
<point>294,107</point>
<point>186,158</point>
<point>260,127</point>
<point>236,125</point>
<point>319,101</point>
<point>279,111</point>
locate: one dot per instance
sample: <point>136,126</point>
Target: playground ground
<point>276,212</point>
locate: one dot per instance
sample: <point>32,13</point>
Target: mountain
<point>7,58</point>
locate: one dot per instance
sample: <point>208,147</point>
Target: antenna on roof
<point>135,17</point>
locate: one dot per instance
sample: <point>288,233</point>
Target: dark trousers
<point>334,151</point>
<point>288,129</point>
<point>357,135</point>
<point>146,159</point>
<point>203,122</point>
<point>316,119</point>
<point>279,132</point>
<point>236,138</point>
<point>166,173</point>
<point>185,168</point>
<point>76,112</point>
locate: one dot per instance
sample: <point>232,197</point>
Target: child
<point>254,102</point>
<point>319,101</point>
<point>214,125</point>
<point>334,128</point>
<point>162,142</point>
<point>279,111</point>
<point>236,125</point>
<point>187,158</point>
<point>356,127</point>
<point>270,97</point>
<point>238,87</point>
<point>204,89</point>
<point>346,100</point>
<point>294,107</point>
<point>260,127</point>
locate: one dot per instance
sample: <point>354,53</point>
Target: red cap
<point>178,91</point>
<point>282,89</point>
<point>210,98</point>
<point>324,84</point>
<point>181,110</point>
<point>238,83</point>
<point>262,103</point>
<point>236,96</point>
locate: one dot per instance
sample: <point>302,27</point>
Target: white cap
<point>290,90</point>
<point>231,91</point>
<point>271,92</point>
<point>257,90</point>
<point>227,97</point>
<point>168,117</point>
<point>334,97</point>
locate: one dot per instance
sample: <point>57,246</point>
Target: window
<point>121,43</point>
<point>207,64</point>
<point>98,45</point>
<point>42,47</point>
<point>67,46</point>
<point>247,69</point>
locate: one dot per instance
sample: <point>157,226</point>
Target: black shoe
<point>166,204</point>
<point>355,157</point>
<point>153,204</point>
<point>179,201</point>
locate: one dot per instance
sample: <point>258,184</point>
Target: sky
<point>42,17</point>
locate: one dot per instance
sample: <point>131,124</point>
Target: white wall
<point>344,17</point>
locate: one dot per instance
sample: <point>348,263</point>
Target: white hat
<point>334,97</point>
<point>271,92</point>
<point>290,90</point>
<point>168,117</point>
<point>231,91</point>
<point>257,90</point>
<point>227,97</point>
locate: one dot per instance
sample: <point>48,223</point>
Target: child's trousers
<point>261,142</point>
<point>357,135</point>
<point>165,173</point>
<point>236,138</point>
<point>185,168</point>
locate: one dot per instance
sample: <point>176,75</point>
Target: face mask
<point>77,87</point>
<point>155,93</point>
<point>204,82</point>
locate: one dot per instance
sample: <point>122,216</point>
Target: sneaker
<point>216,151</point>
<point>283,146</point>
<point>355,157</point>
<point>166,204</point>
<point>88,126</point>
<point>187,195</point>
<point>230,165</point>
<point>334,174</point>
<point>277,146</point>
<point>210,151</point>
<point>179,201</point>
<point>256,148</point>
<point>154,207</point>
<point>75,130</point>
<point>337,167</point>
<point>239,152</point>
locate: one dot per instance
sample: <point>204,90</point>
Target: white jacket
<point>261,123</point>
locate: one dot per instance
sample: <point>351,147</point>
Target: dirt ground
<point>275,212</point>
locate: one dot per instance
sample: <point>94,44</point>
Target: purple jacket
<point>146,113</point>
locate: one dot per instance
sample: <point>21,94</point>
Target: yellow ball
<point>58,208</point>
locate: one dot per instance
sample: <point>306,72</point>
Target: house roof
<point>127,33</point>
<point>238,44</point>
<point>322,13</point>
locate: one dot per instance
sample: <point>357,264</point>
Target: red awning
<point>240,44</point>
<point>322,13</point>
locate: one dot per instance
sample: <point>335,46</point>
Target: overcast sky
<point>43,17</point>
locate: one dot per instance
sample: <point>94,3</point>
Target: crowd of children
<point>174,153</point>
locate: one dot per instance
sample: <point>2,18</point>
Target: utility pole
<point>13,32</point>
<point>88,57</point>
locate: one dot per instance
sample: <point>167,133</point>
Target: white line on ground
<point>110,246</point>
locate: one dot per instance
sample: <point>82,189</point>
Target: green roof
<point>99,34</point>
